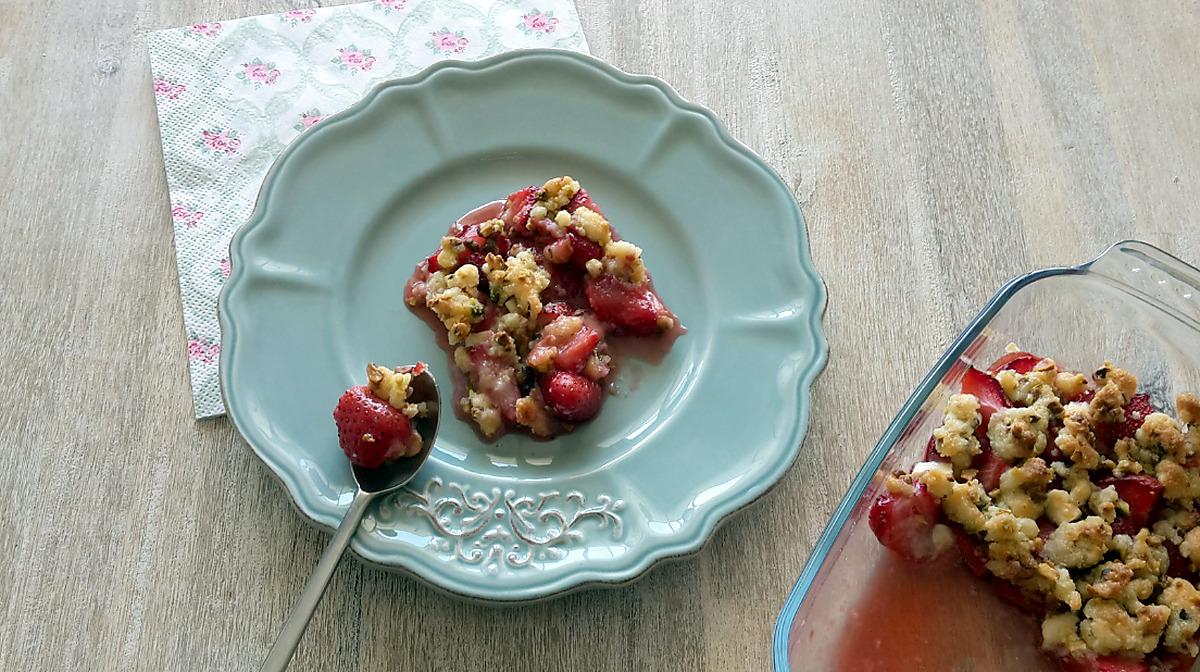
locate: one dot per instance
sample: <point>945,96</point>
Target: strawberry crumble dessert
<point>1076,499</point>
<point>528,291</point>
<point>374,421</point>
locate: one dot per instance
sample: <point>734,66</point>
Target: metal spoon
<point>372,483</point>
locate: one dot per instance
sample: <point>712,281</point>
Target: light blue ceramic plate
<point>350,207</point>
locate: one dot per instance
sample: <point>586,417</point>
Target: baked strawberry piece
<point>1076,500</point>
<point>374,421</point>
<point>529,291</point>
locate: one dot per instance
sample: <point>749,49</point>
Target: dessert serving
<point>1075,498</point>
<point>374,421</point>
<point>527,292</point>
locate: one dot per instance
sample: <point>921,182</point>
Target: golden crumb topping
<point>955,439</point>
<point>1018,433</point>
<point>624,260</point>
<point>517,282</point>
<point>1188,406</point>
<point>453,298</point>
<point>557,193</point>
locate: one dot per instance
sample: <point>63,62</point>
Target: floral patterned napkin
<point>232,94</point>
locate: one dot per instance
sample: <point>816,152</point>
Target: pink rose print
<point>168,88</point>
<point>353,59</point>
<point>296,17</point>
<point>225,268</point>
<point>446,42</point>
<point>203,29</point>
<point>219,141</point>
<point>203,351</point>
<point>309,119</point>
<point>257,72</point>
<point>181,214</point>
<point>538,23</point>
<point>389,6</point>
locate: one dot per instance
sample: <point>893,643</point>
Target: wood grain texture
<point>937,150</point>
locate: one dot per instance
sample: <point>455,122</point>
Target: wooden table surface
<point>937,149</point>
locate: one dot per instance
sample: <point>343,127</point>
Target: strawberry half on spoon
<point>374,421</point>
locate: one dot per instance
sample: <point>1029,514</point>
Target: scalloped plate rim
<point>711,516</point>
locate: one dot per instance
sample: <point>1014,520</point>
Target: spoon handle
<point>285,645</point>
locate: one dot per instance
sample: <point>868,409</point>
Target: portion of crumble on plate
<point>528,291</point>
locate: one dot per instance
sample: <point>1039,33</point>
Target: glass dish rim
<point>841,514</point>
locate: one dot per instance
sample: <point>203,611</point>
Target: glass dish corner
<point>1134,304</point>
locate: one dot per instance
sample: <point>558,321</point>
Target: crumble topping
<point>624,260</point>
<point>956,437</point>
<point>594,226</point>
<point>517,282</point>
<point>1017,433</point>
<point>1188,406</point>
<point>1183,600</point>
<point>1160,434</point>
<point>1108,627</point>
<point>453,298</point>
<point>1076,439</point>
<point>556,193</point>
<point>393,387</point>
<point>1022,488</point>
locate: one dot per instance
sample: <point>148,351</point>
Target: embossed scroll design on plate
<point>500,529</point>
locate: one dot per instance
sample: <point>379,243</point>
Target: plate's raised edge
<point>862,480</point>
<point>720,508</point>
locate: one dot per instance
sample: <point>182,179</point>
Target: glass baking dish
<point>857,608</point>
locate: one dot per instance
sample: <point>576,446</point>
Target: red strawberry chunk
<point>1115,664</point>
<point>432,263</point>
<point>931,454</point>
<point>566,284</point>
<point>632,309</point>
<point>1141,492</point>
<point>1046,527</point>
<point>582,200</point>
<point>573,355</point>
<point>471,238</point>
<point>974,554</point>
<point>991,468</point>
<point>1101,664</point>
<point>1179,565</point>
<point>1178,662</point>
<point>570,396</point>
<point>987,389</point>
<point>904,523</point>
<point>1021,362</point>
<point>552,311</point>
<point>370,431</point>
<point>517,207</point>
<point>1135,414</point>
<point>583,250</point>
<point>473,258</point>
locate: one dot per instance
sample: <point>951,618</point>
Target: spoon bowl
<point>393,475</point>
<point>372,483</point>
